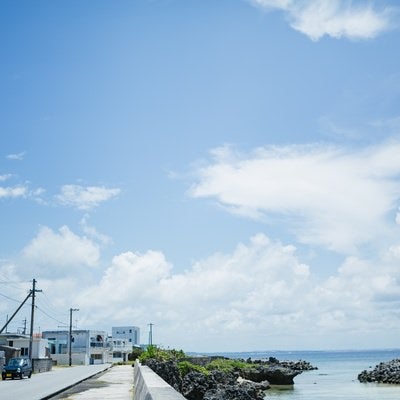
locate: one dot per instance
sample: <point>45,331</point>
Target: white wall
<point>38,346</point>
<point>77,359</point>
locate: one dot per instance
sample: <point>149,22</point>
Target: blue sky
<point>227,170</point>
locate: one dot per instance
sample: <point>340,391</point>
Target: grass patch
<point>185,367</point>
<point>228,365</point>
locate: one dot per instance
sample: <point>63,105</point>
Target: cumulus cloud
<point>260,290</point>
<point>85,198</point>
<point>335,198</point>
<point>316,18</point>
<point>218,295</point>
<point>59,253</point>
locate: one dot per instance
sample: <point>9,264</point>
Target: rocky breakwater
<point>299,365</point>
<point>384,372</point>
<point>225,379</point>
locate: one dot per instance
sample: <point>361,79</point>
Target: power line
<point>12,283</point>
<point>48,315</point>
<point>45,302</point>
<point>10,298</point>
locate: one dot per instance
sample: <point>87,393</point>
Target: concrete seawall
<point>149,386</point>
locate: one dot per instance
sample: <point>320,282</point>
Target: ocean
<point>335,378</point>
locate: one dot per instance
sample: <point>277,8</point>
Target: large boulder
<point>274,374</point>
<point>242,391</point>
<point>195,385</point>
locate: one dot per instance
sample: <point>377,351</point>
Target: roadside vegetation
<point>185,364</point>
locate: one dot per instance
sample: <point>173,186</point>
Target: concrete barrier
<point>149,386</point>
<point>41,364</point>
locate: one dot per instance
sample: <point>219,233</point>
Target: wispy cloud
<point>5,177</point>
<point>20,190</point>
<point>16,156</point>
<point>319,192</point>
<point>92,232</point>
<point>85,197</point>
<point>335,18</point>
<point>13,192</point>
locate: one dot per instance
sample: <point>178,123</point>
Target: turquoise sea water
<point>336,377</point>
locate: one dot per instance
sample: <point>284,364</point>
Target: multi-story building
<point>130,333</point>
<point>87,346</point>
<point>122,340</point>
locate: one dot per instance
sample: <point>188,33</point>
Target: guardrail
<point>149,386</point>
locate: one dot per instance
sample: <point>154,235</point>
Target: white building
<point>40,346</point>
<point>122,341</point>
<point>87,347</point>
<point>130,333</point>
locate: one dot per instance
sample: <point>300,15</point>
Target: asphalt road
<point>45,384</point>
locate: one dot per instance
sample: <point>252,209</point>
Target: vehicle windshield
<point>15,362</point>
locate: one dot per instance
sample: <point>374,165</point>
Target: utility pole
<point>70,334</point>
<point>32,293</point>
<point>151,334</point>
<point>15,313</point>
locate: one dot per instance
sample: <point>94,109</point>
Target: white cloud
<point>13,192</point>
<point>85,198</point>
<point>335,18</point>
<point>5,177</point>
<point>335,198</point>
<point>261,290</point>
<point>91,232</point>
<point>220,295</point>
<point>20,190</point>
<point>129,286</point>
<point>59,253</point>
<point>17,156</point>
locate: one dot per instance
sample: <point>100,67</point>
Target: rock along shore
<point>384,372</point>
<point>250,381</point>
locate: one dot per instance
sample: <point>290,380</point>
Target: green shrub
<point>136,352</point>
<point>161,354</point>
<point>185,367</point>
<point>227,365</point>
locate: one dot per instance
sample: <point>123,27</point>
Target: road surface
<point>45,384</point>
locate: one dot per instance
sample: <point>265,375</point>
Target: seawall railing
<point>150,386</point>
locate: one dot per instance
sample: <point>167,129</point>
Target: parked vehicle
<point>17,367</point>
